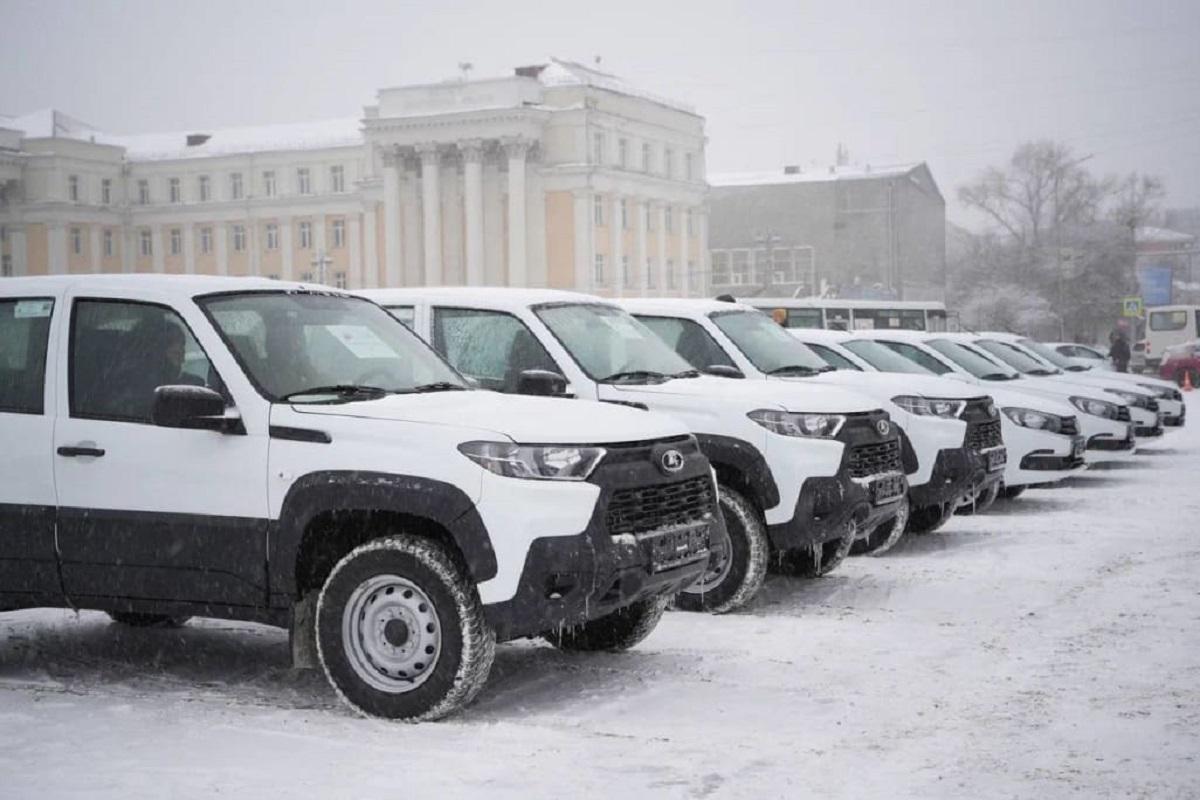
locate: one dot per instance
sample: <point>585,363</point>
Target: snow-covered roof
<point>51,123</point>
<point>559,72</point>
<point>498,297</point>
<point>171,285</point>
<point>1147,233</point>
<point>811,174</point>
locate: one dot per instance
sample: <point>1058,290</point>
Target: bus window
<point>804,318</point>
<point>1168,320</point>
<point>913,320</point>
<point>935,321</point>
<point>837,319</point>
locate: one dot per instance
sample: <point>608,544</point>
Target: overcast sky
<point>956,84</point>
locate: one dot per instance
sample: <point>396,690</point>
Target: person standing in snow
<point>1119,352</point>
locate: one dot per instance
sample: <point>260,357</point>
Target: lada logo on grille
<point>883,426</point>
<point>671,461</point>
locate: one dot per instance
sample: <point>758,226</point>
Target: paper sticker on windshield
<point>361,341</point>
<point>30,309</point>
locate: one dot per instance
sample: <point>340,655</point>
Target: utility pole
<point>320,264</point>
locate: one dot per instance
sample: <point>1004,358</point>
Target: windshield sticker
<point>361,341</point>
<point>31,309</point>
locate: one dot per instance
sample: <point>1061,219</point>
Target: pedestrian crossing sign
<point>1131,307</point>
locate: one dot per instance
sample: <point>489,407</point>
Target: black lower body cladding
<point>824,509</point>
<point>619,559</point>
<point>957,473</point>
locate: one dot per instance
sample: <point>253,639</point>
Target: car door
<point>28,562</point>
<point>144,511</point>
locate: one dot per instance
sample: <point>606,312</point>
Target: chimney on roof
<point>531,71</point>
<point>791,169</point>
<point>197,139</point>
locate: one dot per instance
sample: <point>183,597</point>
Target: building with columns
<point>558,175</point>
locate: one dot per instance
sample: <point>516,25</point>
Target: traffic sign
<point>1131,306</point>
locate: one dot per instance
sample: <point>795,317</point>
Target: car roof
<point>681,306</point>
<point>182,286</point>
<point>821,335</point>
<point>495,297</point>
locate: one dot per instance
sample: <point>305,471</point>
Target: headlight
<point>1038,420</point>
<point>930,406</point>
<point>1097,408</point>
<point>1162,392</point>
<point>787,423</point>
<point>1132,398</point>
<point>537,462</point>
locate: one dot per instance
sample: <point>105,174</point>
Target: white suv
<point>950,433</point>
<point>802,469</point>
<point>251,449</point>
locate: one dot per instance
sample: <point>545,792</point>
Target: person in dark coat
<point>1119,352</point>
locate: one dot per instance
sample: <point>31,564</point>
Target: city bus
<point>854,315</point>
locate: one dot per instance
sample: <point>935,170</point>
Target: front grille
<point>648,508</point>
<point>1152,404</point>
<point>1068,426</point>
<point>642,452</point>
<point>976,410</point>
<point>865,460</point>
<point>1123,414</point>
<point>982,435</point>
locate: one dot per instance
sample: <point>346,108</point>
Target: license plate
<point>1078,446</point>
<point>885,489</point>
<point>675,546</point>
<point>996,459</point>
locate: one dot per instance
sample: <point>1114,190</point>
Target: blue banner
<point>1155,283</point>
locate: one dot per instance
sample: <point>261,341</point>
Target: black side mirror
<point>541,382</point>
<point>192,407</point>
<point>723,371</point>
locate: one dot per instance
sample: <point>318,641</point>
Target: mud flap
<point>302,634</point>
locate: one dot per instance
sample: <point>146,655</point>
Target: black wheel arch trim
<point>728,452</point>
<point>321,492</point>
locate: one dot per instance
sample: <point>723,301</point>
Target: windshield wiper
<point>687,373</point>
<point>635,375</point>
<point>796,369</point>
<point>343,391</point>
<point>1077,368</point>
<point>1041,373</point>
<point>436,386</point>
<point>996,376</point>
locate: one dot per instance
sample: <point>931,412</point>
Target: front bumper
<point>827,505</point>
<point>1176,420</point>
<point>1040,457</point>
<point>568,580</point>
<point>957,473</point>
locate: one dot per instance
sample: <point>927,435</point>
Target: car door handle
<point>73,452</point>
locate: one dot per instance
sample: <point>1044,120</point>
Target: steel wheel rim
<point>391,634</point>
<point>720,562</point>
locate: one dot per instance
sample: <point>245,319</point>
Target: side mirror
<point>192,407</point>
<point>541,382</point>
<point>723,371</point>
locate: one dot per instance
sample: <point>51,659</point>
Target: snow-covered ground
<point>1050,648</point>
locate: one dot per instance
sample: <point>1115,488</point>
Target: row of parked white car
<point>290,454</point>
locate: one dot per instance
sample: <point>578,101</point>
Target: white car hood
<point>1134,381</point>
<point>886,385</point>
<point>528,420</point>
<point>789,395</point>
<point>1006,397</point>
<point>1101,382</point>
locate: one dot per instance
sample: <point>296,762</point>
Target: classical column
<point>354,232</point>
<point>704,280</point>
<point>660,225</point>
<point>684,277</point>
<point>518,269</point>
<point>157,246</point>
<point>56,249</point>
<point>370,278</point>
<point>431,213</point>
<point>393,163</point>
<point>95,254</point>
<point>128,245</point>
<point>616,230</point>
<point>221,234</point>
<point>20,252</point>
<point>472,157</point>
<point>189,248</point>
<point>639,245</point>
<point>286,254</point>
<point>583,240</point>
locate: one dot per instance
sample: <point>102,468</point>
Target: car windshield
<point>1050,354</point>
<point>1013,356</point>
<point>973,362</point>
<point>610,345</point>
<point>313,347</point>
<point>883,359</point>
<point>769,347</point>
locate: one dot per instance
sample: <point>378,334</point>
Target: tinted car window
<point>918,356</point>
<point>688,339</point>
<point>492,347</point>
<point>405,314</point>
<point>24,331</point>
<point>832,357</point>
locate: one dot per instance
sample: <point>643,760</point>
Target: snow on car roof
<point>680,306</point>
<point>498,297</point>
<point>178,285</point>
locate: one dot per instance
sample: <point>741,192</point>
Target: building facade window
<point>669,220</point>
<point>339,234</point>
<point>147,242</point>
<point>206,240</point>
<point>627,272</point>
<point>305,235</point>
<point>174,192</point>
<point>339,280</point>
<point>272,236</point>
<point>624,214</point>
<point>650,280</point>
<point>108,243</point>
<point>106,191</point>
<point>76,241</point>
<point>670,273</point>
<point>6,266</point>
<point>623,153</point>
<point>239,238</point>
<point>647,157</point>
<point>668,162</point>
<point>204,188</point>
<point>649,218</point>
<point>689,167</point>
<point>176,241</point>
<point>269,183</point>
<point>337,179</point>
<point>598,210</point>
<point>598,270</point>
<point>691,224</point>
<point>143,192</point>
<point>303,181</point>
<point>599,143</point>
<point>73,188</point>
<point>235,186</point>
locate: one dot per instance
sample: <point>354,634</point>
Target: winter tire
<point>982,501</point>
<point>1012,492</point>
<point>136,619</point>
<point>400,631</point>
<point>928,519</point>
<point>738,564</point>
<point>818,559</point>
<point>885,535</point>
<point>620,630</point>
